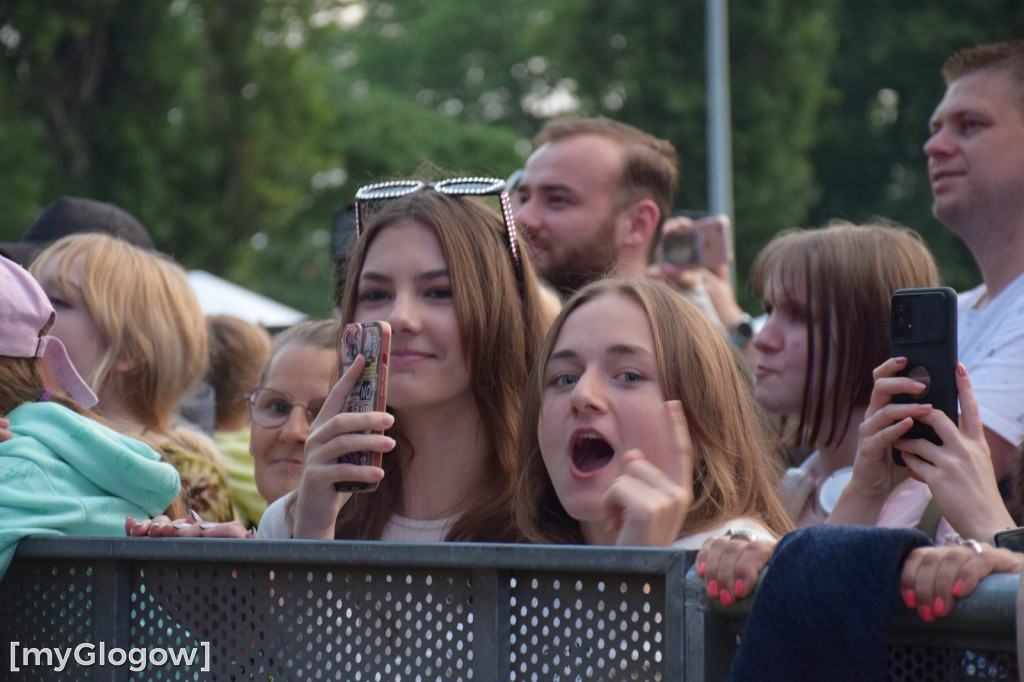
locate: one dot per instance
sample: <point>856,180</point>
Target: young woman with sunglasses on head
<point>466,319</point>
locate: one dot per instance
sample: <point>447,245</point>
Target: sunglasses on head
<point>477,186</point>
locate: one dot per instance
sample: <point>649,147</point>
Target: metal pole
<point>720,192</point>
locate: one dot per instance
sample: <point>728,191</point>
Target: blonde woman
<point>136,332</point>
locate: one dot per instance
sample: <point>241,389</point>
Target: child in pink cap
<point>60,471</point>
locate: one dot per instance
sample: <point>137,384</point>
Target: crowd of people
<point>551,380</point>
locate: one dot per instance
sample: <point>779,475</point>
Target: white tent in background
<point>220,297</point>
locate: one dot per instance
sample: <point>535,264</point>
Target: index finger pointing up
<point>335,402</point>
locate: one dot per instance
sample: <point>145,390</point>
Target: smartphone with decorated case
<point>924,331</point>
<point>372,340</point>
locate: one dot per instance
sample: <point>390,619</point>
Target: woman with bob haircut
<point>639,427</point>
<point>827,295</point>
<point>62,472</point>
<point>135,330</point>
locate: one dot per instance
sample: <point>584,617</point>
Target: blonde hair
<point>143,306</point>
<point>735,465</point>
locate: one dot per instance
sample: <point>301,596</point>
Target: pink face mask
<point>25,318</point>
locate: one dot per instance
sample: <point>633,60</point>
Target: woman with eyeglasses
<point>303,365</point>
<point>292,387</point>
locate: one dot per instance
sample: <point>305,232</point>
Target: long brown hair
<point>735,466</point>
<point>501,325</point>
<point>846,274</point>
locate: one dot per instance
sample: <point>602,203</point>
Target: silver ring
<point>952,539</point>
<point>733,533</point>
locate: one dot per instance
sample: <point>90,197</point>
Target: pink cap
<point>25,317</point>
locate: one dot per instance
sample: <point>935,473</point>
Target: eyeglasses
<point>478,186</point>
<point>270,408</point>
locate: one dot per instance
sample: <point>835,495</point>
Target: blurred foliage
<point>235,128</point>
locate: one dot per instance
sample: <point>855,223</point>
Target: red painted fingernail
<point>909,598</point>
<point>738,587</point>
<point>939,607</point>
<point>712,588</point>
<point>926,614</point>
<point>960,369</point>
<point>958,588</point>
<point>726,598</point>
<point>700,568</point>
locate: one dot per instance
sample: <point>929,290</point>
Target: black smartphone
<point>923,330</point>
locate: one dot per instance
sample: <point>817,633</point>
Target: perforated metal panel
<point>588,629</point>
<point>369,611</point>
<point>976,642</point>
<point>293,610</point>
<point>941,663</point>
<point>312,623</point>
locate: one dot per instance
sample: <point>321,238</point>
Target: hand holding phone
<point>372,340</point>
<point>924,330</point>
<point>707,243</point>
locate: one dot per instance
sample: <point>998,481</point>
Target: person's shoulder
<point>277,521</point>
<point>50,422</point>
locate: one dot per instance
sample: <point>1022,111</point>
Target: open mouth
<point>590,452</point>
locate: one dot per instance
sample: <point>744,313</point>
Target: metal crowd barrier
<point>977,641</point>
<point>302,610</point>
<point>139,608</point>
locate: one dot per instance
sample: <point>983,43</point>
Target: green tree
<point>643,63</point>
<point>221,125</point>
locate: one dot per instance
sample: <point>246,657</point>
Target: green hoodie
<point>65,474</point>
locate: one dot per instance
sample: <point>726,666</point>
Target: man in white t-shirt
<point>976,167</point>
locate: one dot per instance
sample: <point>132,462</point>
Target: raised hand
<point>874,473</point>
<point>645,505</point>
<point>332,434</point>
<point>959,472</point>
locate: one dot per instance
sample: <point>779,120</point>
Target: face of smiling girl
<point>601,398</point>
<point>405,281</point>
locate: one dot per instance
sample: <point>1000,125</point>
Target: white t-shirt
<point>278,522</point>
<point>991,346</point>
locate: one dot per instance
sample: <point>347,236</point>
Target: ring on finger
<point>954,539</point>
<point>735,533</point>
